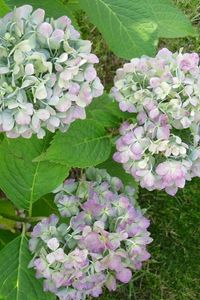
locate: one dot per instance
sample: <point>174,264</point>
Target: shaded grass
<point>173,272</point>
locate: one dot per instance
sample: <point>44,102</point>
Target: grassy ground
<point>173,272</point>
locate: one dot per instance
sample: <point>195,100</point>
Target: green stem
<point>20,219</point>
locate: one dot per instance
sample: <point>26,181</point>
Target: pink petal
<point>38,16</point>
<point>124,276</point>
<point>45,29</point>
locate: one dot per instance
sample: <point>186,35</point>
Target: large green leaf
<point>132,28</point>
<point>4,9</point>
<point>124,24</point>
<point>172,23</point>
<point>17,282</point>
<point>45,206</point>
<point>53,8</point>
<point>21,179</point>
<point>85,144</point>
<point>74,5</point>
<point>5,237</point>
<point>106,111</point>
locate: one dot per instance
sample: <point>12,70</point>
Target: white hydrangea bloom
<point>47,74</point>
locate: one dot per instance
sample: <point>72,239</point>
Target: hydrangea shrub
<point>161,150</point>
<point>92,235</point>
<point>47,73</point>
<point>100,240</point>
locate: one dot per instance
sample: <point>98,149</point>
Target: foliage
<point>30,169</point>
<point>16,282</point>
<point>21,179</point>
<point>132,28</point>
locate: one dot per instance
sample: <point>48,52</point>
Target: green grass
<point>173,272</point>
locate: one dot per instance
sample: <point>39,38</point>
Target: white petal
<point>53,244</point>
<point>7,121</point>
<point>29,69</point>
<point>41,92</point>
<point>43,114</point>
<point>38,16</point>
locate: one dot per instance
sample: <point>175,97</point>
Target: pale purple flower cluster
<point>101,243</point>
<point>162,148</point>
<point>47,74</point>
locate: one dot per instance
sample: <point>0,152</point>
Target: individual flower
<point>160,148</point>
<point>47,74</point>
<point>102,241</point>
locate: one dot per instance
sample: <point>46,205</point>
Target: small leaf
<point>22,180</point>
<point>17,282</point>
<point>85,144</point>
<point>4,9</point>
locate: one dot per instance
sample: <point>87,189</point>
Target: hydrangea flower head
<point>162,148</point>
<point>101,243</point>
<point>47,74</point>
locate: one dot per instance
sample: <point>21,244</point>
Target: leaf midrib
<point>17,286</point>
<point>88,141</point>
<point>119,21</point>
<point>18,271</point>
<point>33,183</point>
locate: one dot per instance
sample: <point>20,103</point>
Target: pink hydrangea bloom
<point>164,91</point>
<point>95,249</point>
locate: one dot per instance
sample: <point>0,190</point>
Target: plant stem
<point>20,219</point>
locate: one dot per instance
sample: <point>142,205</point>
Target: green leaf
<point>132,28</point>
<point>105,118</point>
<point>172,23</point>
<point>116,169</point>
<point>74,5</point>
<point>7,224</point>
<point>5,237</point>
<point>106,111</point>
<point>7,209</point>
<point>124,24</point>
<point>4,9</point>
<point>45,206</point>
<point>21,179</point>
<point>52,8</point>
<point>17,282</point>
<point>85,144</point>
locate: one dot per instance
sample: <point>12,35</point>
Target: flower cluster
<point>47,74</point>
<point>161,150</point>
<point>102,241</point>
